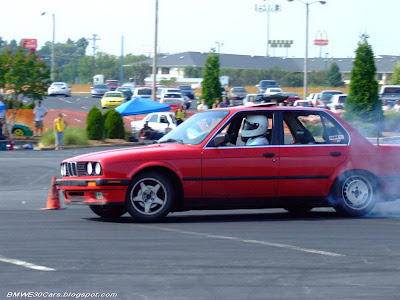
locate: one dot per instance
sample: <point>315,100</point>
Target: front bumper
<point>93,191</point>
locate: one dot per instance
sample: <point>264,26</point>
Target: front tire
<point>150,197</point>
<point>354,194</point>
<point>108,211</point>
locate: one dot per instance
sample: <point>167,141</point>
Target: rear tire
<point>354,194</point>
<point>150,197</point>
<point>108,211</point>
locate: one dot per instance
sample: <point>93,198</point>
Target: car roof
<point>269,107</point>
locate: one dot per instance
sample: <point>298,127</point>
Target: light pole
<point>307,4</point>
<point>52,68</point>
<point>155,54</point>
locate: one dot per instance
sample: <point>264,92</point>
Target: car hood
<point>165,151</point>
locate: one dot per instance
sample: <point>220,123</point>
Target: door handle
<point>268,155</point>
<point>336,153</point>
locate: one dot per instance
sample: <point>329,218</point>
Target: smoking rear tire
<point>150,197</point>
<point>108,211</point>
<point>354,194</point>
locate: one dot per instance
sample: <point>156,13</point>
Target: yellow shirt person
<point>59,126</point>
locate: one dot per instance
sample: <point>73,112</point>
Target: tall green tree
<point>362,102</point>
<point>396,74</point>
<point>333,76</point>
<point>211,86</point>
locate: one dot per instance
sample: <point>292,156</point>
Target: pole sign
<point>30,44</point>
<point>280,43</point>
<point>267,7</point>
<point>321,38</point>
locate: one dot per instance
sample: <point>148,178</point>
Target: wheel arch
<point>170,174</point>
<point>339,175</point>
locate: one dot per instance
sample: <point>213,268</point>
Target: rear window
<point>172,96</point>
<point>168,101</point>
<point>265,83</point>
<point>100,86</point>
<point>185,87</point>
<point>144,92</point>
<point>391,90</point>
<point>173,91</point>
<point>238,90</point>
<point>328,95</point>
<point>113,95</point>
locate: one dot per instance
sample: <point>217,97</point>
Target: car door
<point>239,171</point>
<point>313,145</point>
<point>154,121</point>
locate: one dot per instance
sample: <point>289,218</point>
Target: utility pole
<point>219,45</point>
<point>121,74</point>
<point>94,47</point>
<point>155,53</point>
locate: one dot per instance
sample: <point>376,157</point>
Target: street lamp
<point>52,68</point>
<point>155,52</point>
<point>307,4</point>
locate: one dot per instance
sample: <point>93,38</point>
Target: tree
<point>333,76</point>
<point>362,102</point>
<point>114,125</point>
<point>95,124</point>
<point>396,74</point>
<point>211,86</point>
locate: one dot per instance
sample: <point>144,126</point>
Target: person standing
<point>180,115</point>
<point>59,127</point>
<point>40,112</point>
<point>202,106</point>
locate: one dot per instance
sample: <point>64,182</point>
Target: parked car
<point>313,159</point>
<point>324,97</point>
<point>305,103</point>
<point>22,130</point>
<point>337,102</point>
<point>157,121</point>
<point>126,91</point>
<point>129,85</point>
<point>390,93</point>
<point>59,88</point>
<point>186,90</point>
<point>112,84</point>
<point>263,85</point>
<point>99,90</point>
<point>291,97</point>
<point>164,91</point>
<point>143,92</point>
<point>175,103</point>
<point>273,91</point>
<point>112,99</point>
<point>237,94</point>
<point>253,99</point>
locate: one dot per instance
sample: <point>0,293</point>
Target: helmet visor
<point>250,126</point>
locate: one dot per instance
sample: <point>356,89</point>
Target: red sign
<point>30,44</point>
<point>321,42</point>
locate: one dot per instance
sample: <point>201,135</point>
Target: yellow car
<point>112,99</point>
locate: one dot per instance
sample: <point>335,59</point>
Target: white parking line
<point>78,120</point>
<point>25,264</point>
<point>222,237</point>
<point>83,107</point>
<point>65,115</point>
<point>64,100</point>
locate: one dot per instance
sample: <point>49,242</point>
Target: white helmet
<point>253,126</point>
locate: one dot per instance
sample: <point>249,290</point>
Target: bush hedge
<point>72,136</point>
<point>392,121</point>
<point>95,124</point>
<point>114,125</point>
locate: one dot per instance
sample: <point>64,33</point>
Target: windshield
<point>185,87</point>
<point>391,90</point>
<point>113,95</point>
<point>195,129</point>
<point>267,83</point>
<point>144,92</point>
<point>172,96</point>
<point>172,101</point>
<point>100,86</point>
<point>239,90</point>
<point>328,95</point>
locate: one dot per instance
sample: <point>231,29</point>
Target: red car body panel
<point>207,173</point>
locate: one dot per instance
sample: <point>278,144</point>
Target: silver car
<point>59,88</point>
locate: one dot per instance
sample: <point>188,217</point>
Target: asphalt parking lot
<point>246,254</point>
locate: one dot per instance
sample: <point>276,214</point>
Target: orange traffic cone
<point>53,201</point>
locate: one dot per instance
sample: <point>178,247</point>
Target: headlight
<point>89,168</point>
<point>97,169</point>
<point>62,170</point>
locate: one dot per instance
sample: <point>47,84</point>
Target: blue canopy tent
<point>2,106</point>
<point>139,106</point>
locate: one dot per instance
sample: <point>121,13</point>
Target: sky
<point>196,25</point>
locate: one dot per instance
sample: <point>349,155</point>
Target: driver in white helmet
<point>255,128</point>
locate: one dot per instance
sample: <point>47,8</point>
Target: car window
<point>163,119</point>
<point>312,128</point>
<point>242,130</point>
<point>153,118</point>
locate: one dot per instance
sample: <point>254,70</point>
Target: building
<point>172,66</point>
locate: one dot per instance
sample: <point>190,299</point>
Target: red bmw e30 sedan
<point>242,157</point>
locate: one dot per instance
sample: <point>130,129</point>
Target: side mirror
<point>219,140</point>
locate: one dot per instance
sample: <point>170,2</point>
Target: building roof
<point>384,63</point>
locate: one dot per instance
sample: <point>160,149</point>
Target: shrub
<point>114,125</point>
<point>72,136</point>
<point>95,124</point>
